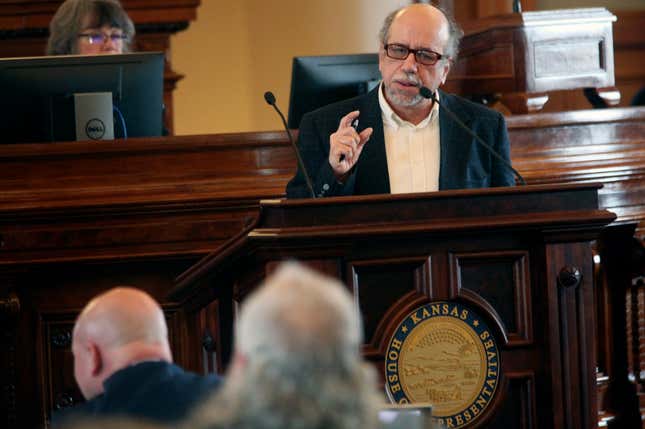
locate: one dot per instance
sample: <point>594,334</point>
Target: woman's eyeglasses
<point>98,38</point>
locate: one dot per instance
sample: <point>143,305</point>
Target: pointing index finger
<point>346,121</point>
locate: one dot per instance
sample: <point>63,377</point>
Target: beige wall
<point>237,50</point>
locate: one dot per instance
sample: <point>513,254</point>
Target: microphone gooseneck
<point>430,95</point>
<point>270,99</point>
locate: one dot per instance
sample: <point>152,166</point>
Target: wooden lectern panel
<point>501,279</point>
<point>519,258</point>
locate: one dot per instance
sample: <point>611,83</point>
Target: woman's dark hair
<point>66,23</point>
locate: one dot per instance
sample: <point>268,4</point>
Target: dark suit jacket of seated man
<point>464,162</point>
<point>152,390</point>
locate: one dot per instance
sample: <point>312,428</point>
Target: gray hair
<point>455,33</point>
<point>66,23</point>
<point>301,336</point>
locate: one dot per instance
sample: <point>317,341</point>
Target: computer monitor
<point>37,94</point>
<point>318,81</point>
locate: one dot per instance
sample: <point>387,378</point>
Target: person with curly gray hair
<point>90,27</point>
<point>297,361</point>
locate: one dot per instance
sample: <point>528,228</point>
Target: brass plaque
<point>443,353</point>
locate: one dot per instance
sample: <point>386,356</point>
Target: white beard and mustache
<point>405,100</point>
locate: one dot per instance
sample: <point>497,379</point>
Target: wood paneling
<point>467,10</point>
<point>34,15</point>
<point>604,145</point>
<point>502,279</point>
<point>392,238</point>
<point>78,218</point>
<point>383,287</point>
<point>621,383</point>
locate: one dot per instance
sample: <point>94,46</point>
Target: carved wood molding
<point>32,17</point>
<point>204,185</point>
<point>9,305</point>
<point>160,173</point>
<point>578,146</point>
<point>524,56</point>
<point>628,29</point>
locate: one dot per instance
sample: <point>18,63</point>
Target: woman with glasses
<point>90,27</point>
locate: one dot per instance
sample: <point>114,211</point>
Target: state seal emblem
<point>445,354</point>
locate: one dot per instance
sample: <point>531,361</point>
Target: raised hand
<point>346,145</point>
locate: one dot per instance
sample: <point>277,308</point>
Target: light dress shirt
<point>413,151</point>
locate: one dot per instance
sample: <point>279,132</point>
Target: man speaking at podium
<point>396,140</point>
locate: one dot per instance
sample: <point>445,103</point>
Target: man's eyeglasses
<point>423,56</point>
<point>98,38</point>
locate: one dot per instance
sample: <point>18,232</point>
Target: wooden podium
<point>520,257</point>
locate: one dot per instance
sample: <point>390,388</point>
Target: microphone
<point>270,99</point>
<point>429,94</point>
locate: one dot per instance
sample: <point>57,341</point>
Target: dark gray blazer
<point>157,391</point>
<point>464,162</point>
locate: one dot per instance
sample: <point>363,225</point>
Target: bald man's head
<point>116,329</point>
<point>435,15</point>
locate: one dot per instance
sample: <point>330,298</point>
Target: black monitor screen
<point>318,81</point>
<point>37,103</point>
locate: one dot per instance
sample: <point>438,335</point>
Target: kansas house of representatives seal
<point>443,353</point>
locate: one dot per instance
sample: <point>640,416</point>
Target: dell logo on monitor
<point>95,129</point>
